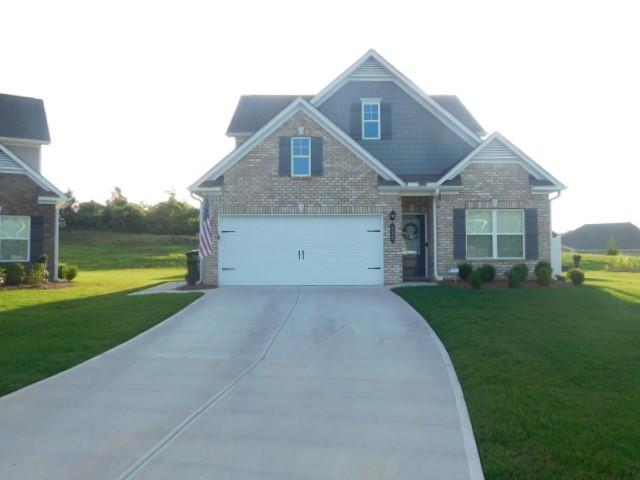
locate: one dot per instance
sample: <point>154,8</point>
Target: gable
<point>299,105</point>
<point>497,149</point>
<point>420,143</point>
<point>10,163</point>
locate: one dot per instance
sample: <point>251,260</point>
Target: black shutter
<point>284,164</point>
<point>37,238</point>
<point>459,234</point>
<point>385,121</point>
<point>531,233</point>
<point>317,159</point>
<point>356,121</point>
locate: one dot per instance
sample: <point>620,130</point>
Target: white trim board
<point>405,84</point>
<point>522,159</point>
<point>298,105</point>
<point>35,176</point>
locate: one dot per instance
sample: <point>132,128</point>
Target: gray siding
<point>421,144</point>
<point>29,155</point>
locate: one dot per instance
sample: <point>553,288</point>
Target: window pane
<point>510,221</point>
<point>12,226</point>
<point>301,146</point>
<point>371,130</point>
<point>301,166</point>
<point>14,250</point>
<point>479,221</point>
<point>479,246</point>
<point>510,246</point>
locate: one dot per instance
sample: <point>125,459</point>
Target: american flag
<point>205,230</point>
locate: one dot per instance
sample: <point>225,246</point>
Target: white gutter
<point>436,275</point>
<point>198,199</point>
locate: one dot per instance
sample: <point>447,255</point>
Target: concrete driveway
<point>253,383</point>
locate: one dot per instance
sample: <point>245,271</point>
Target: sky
<point>139,94</point>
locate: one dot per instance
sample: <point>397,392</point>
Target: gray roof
<point>24,118</point>
<point>254,111</point>
<point>594,236</point>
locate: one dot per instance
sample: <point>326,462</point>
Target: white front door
<point>301,250</point>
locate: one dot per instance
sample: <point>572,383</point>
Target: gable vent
<point>495,151</point>
<point>370,68</point>
<point>7,165</point>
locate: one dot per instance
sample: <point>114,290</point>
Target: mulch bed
<point>500,283</point>
<point>46,286</point>
<point>195,287</point>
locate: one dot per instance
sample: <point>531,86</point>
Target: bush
<point>543,275</point>
<point>576,276</point>
<point>14,273</point>
<point>522,269</point>
<point>576,261</point>
<point>43,259</point>
<point>475,279</point>
<point>37,274</point>
<point>62,270</point>
<point>541,264</point>
<point>464,270</point>
<point>70,273</point>
<point>514,277</point>
<point>487,273</point>
<point>612,247</point>
<point>2,277</point>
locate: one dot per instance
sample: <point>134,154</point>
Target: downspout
<point>56,242</point>
<point>198,199</point>
<point>434,209</point>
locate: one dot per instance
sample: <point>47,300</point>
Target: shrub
<point>475,279</point>
<point>62,270</point>
<point>487,273</point>
<point>576,261</point>
<point>539,265</point>
<point>71,273</point>
<point>464,270</point>
<point>193,267</point>
<point>2,277</point>
<point>37,274</point>
<point>14,273</point>
<point>543,275</point>
<point>612,247</point>
<point>514,277</point>
<point>43,259</point>
<point>576,276</point>
<point>522,269</point>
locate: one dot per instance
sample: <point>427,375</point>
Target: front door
<point>414,253</point>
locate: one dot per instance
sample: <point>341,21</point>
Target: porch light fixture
<point>392,215</point>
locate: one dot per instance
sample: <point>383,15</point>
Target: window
<point>300,156</point>
<point>371,119</point>
<point>495,234</point>
<point>14,238</point>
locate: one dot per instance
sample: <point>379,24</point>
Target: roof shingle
<point>23,118</point>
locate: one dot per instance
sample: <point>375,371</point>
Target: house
<point>595,236</point>
<point>369,181</point>
<point>29,202</point>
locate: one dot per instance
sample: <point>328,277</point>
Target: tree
<point>69,210</point>
<point>612,247</point>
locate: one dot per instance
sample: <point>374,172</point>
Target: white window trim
<point>371,101</point>
<point>494,234</point>
<point>308,157</point>
<point>28,239</point>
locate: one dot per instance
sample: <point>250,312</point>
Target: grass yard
<point>43,332</point>
<point>102,250</point>
<point>596,261</point>
<point>551,376</point>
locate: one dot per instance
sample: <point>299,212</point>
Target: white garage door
<point>300,250</point>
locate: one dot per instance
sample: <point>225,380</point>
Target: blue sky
<point>139,94</point>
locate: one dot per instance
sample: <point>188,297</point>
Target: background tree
<point>612,247</point>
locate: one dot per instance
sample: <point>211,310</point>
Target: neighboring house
<point>595,236</point>
<point>369,181</point>
<point>29,203</point>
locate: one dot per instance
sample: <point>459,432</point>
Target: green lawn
<point>94,250</point>
<point>595,261</point>
<point>43,332</point>
<point>551,376</point>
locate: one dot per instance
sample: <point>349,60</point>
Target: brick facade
<point>492,186</point>
<point>348,186</point>
<point>19,196</point>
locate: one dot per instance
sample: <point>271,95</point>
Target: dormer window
<point>370,119</point>
<point>300,156</point>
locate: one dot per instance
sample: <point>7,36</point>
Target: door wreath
<point>410,231</point>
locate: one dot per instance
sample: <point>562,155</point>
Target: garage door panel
<point>300,250</point>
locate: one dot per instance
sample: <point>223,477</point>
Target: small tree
<point>612,247</point>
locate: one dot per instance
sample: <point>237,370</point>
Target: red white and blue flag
<point>206,243</point>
